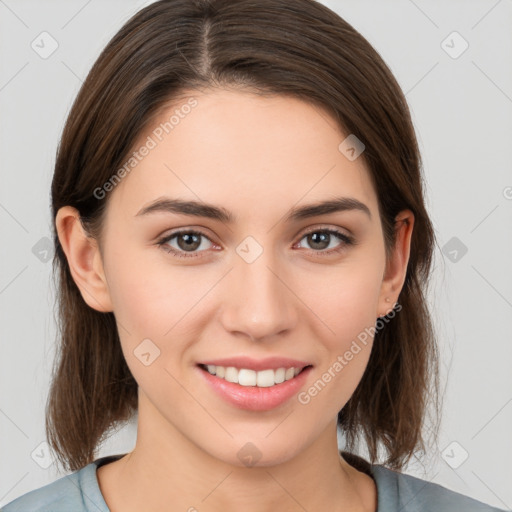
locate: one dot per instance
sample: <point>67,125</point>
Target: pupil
<point>315,236</point>
<point>190,240</point>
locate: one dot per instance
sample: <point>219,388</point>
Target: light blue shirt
<point>80,492</point>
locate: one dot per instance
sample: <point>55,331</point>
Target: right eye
<point>188,241</point>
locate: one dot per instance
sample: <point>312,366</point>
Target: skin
<point>257,157</point>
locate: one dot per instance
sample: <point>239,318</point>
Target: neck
<point>175,474</point>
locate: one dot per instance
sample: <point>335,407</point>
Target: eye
<point>188,241</point>
<point>320,239</point>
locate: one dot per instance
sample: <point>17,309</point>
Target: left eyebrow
<point>338,204</point>
<point>200,209</point>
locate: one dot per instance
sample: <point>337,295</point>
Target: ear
<point>84,259</point>
<point>396,267</point>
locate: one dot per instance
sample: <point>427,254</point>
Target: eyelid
<point>326,227</point>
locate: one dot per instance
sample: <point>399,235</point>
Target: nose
<point>257,300</point>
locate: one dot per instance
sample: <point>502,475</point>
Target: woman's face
<point>262,291</point>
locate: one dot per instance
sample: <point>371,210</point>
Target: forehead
<point>249,152</point>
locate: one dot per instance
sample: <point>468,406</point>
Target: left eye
<point>323,236</point>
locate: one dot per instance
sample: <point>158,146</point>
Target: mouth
<point>251,378</point>
<point>266,386</point>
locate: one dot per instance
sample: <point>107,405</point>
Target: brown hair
<point>293,47</point>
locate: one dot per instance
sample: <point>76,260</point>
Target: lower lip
<point>253,398</point>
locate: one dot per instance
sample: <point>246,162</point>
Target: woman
<point>243,251</point>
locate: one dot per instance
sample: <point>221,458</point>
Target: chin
<point>258,452</point>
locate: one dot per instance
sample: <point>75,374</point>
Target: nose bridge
<point>261,304</point>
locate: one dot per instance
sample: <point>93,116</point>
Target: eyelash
<point>347,241</point>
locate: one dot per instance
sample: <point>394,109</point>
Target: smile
<point>259,388</point>
<point>246,377</point>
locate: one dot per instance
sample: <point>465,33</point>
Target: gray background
<point>462,110</point>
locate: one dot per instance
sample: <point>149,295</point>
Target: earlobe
<point>84,259</point>
<point>396,268</point>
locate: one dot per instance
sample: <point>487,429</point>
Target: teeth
<point>231,374</point>
<point>265,378</point>
<point>279,375</point>
<point>246,377</point>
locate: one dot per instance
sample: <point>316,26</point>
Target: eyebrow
<point>200,209</point>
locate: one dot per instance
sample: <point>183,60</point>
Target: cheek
<point>150,310</point>
<point>148,295</point>
<point>157,301</point>
<point>348,309</point>
<point>345,298</point>
<point>357,302</point>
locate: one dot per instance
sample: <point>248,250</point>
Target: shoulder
<point>406,493</point>
<point>77,491</point>
<point>398,491</point>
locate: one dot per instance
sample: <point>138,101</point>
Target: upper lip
<point>268,363</point>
